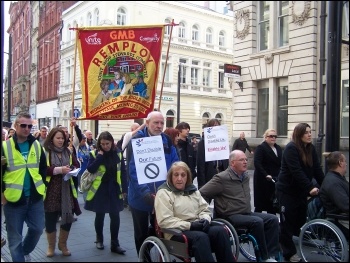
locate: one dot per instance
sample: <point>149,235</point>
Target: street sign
<point>232,71</point>
<point>76,113</point>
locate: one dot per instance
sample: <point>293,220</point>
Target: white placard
<point>216,143</point>
<point>149,159</point>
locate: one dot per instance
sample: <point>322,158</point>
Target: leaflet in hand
<point>71,173</point>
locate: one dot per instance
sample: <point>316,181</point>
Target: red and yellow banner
<point>119,70</point>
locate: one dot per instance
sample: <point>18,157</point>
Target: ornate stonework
<point>242,23</point>
<point>299,18</point>
<point>268,58</point>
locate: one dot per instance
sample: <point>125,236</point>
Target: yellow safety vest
<point>17,167</point>
<point>96,183</point>
<point>48,177</point>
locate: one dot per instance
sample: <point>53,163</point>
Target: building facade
<point>200,46</point>
<point>280,48</point>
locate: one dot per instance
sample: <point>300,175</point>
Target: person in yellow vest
<point>61,195</point>
<point>107,190</point>
<point>23,188</point>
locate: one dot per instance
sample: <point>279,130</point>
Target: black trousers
<point>203,244</point>
<point>141,221</point>
<point>114,225</point>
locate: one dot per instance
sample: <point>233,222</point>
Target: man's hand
<point>149,199</point>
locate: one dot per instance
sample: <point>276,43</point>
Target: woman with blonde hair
<point>267,163</point>
<point>127,89</point>
<point>179,205</point>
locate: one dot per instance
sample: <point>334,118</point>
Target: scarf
<point>66,204</point>
<point>189,189</point>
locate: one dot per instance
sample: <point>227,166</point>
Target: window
<point>221,77</point>
<point>167,72</point>
<point>207,74</point>
<point>283,23</point>
<point>167,28</point>
<point>69,33</point>
<point>170,119</point>
<point>222,38</point>
<point>183,70</point>
<point>209,36</point>
<point>205,119</point>
<point>121,17</point>
<point>344,110</point>
<point>195,33</point>
<point>264,25</point>
<point>218,116</point>
<point>89,19</point>
<point>194,73</point>
<point>182,30</point>
<point>282,115</point>
<point>97,17</point>
<point>263,110</point>
<point>75,25</point>
<point>68,72</point>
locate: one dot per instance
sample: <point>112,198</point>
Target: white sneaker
<point>295,258</point>
<point>269,260</point>
<point>27,258</point>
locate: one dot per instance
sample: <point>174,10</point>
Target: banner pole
<point>74,74</point>
<point>166,63</point>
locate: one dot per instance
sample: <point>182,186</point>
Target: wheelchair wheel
<point>248,247</point>
<point>322,241</point>
<point>233,237</point>
<point>153,250</point>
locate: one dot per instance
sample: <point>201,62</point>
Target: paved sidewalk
<point>82,237</point>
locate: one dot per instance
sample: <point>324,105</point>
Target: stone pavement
<point>82,236</point>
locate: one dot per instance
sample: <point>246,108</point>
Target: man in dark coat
<point>241,144</point>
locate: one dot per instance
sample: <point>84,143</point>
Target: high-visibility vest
<point>96,183</point>
<point>17,167</point>
<point>48,177</point>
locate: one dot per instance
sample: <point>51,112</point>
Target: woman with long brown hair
<point>61,195</point>
<point>299,168</point>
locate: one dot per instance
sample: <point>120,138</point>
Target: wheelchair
<point>158,249</point>
<point>321,240</point>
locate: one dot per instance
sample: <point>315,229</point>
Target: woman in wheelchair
<point>179,205</point>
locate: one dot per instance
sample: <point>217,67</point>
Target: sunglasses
<point>26,125</point>
<point>272,136</point>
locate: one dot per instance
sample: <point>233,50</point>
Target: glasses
<point>242,160</point>
<point>23,126</point>
<point>272,136</point>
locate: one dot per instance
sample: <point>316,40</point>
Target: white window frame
<point>222,38</point>
<point>182,30</point>
<point>261,22</point>
<point>209,36</point>
<point>195,33</point>
<point>283,31</point>
<point>96,16</point>
<point>121,17</point>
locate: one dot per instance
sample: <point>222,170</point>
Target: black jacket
<point>186,152</point>
<point>241,145</point>
<point>266,163</point>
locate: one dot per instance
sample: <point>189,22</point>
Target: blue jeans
<point>33,215</point>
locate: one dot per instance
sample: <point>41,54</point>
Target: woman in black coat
<point>267,162</point>
<point>299,167</point>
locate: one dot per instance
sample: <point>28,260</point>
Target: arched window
<point>96,17</point>
<point>69,33</point>
<point>222,38</point>
<point>182,30</point>
<point>195,33</point>
<point>205,119</point>
<point>209,36</point>
<point>89,19</point>
<point>167,28</point>
<point>121,17</point>
<point>170,119</point>
<point>75,25</point>
<point>219,118</point>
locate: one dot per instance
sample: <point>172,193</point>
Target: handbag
<point>86,180</point>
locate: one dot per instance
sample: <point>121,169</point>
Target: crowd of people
<point>36,185</point>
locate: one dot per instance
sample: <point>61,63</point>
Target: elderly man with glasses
<point>231,193</point>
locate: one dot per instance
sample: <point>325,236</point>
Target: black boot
<point>116,248</point>
<point>99,242</point>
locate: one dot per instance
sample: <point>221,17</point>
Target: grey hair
<point>152,114</point>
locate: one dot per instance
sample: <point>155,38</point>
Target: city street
<point>82,237</point>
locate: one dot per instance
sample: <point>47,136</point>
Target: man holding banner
<point>150,155</point>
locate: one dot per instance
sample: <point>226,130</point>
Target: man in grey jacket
<point>231,193</point>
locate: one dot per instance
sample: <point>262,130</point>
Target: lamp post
<point>178,92</point>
